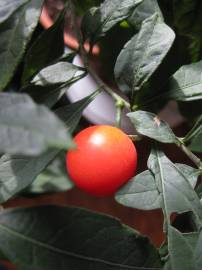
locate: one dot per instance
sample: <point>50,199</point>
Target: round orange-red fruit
<point>105,159</point>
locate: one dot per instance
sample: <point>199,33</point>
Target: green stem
<point>191,134</point>
<point>84,57</point>
<point>118,116</point>
<point>135,138</point>
<point>193,157</point>
<point>107,89</point>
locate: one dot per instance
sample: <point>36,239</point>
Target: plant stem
<point>118,117</point>
<point>119,108</point>
<point>84,57</point>
<point>193,157</point>
<point>114,95</point>
<point>106,88</point>
<point>192,134</point>
<point>135,138</point>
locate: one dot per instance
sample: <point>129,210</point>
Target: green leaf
<point>51,83</point>
<point>53,237</point>
<point>82,7</point>
<point>199,189</point>
<point>194,136</point>
<point>187,21</point>
<point>181,249</point>
<point>148,124</point>
<point>15,33</point>
<point>187,17</point>
<point>145,10</point>
<point>196,143</point>
<point>167,265</point>
<point>98,21</point>
<point>8,7</point>
<point>197,258</point>
<point>71,114</point>
<point>186,83</point>
<point>67,56</point>
<point>195,130</point>
<point>190,173</point>
<point>18,172</point>
<point>142,192</point>
<point>58,73</point>
<point>48,47</point>
<point>46,95</point>
<point>178,196</point>
<point>29,129</point>
<point>53,179</point>
<point>143,54</point>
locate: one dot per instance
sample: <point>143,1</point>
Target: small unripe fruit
<point>104,160</point>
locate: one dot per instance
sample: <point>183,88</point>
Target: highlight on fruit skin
<point>105,159</point>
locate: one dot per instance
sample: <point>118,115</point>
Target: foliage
<point>160,61</point>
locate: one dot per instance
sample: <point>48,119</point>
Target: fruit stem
<point>135,138</point>
<point>119,109</point>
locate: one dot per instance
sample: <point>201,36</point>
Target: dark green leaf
<point>186,83</point>
<point>177,193</point>
<point>53,179</point>
<point>143,54</point>
<point>187,17</point>
<point>15,33</point>
<point>51,83</point>
<point>82,7</point>
<point>71,114</point>
<point>195,129</point>
<point>141,192</point>
<point>199,188</point>
<point>145,10</point>
<point>189,172</point>
<point>67,56</point>
<point>29,129</point>
<point>98,21</point>
<point>187,21</point>
<point>181,249</point>
<point>196,143</point>
<point>167,265</point>
<point>47,95</point>
<point>197,258</point>
<point>177,196</point>
<point>88,25</point>
<point>47,48</point>
<point>18,172</point>
<point>195,136</point>
<point>150,125</point>
<point>58,73</point>
<point>53,237</point>
<point>8,7</point>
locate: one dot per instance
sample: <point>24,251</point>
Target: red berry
<point>104,160</point>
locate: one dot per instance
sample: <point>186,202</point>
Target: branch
<point>192,156</point>
<point>84,57</point>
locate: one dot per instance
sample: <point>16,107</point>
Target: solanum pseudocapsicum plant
<point>160,61</point>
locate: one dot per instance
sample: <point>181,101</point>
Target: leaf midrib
<point>68,253</point>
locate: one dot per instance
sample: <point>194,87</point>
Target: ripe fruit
<point>104,160</point>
